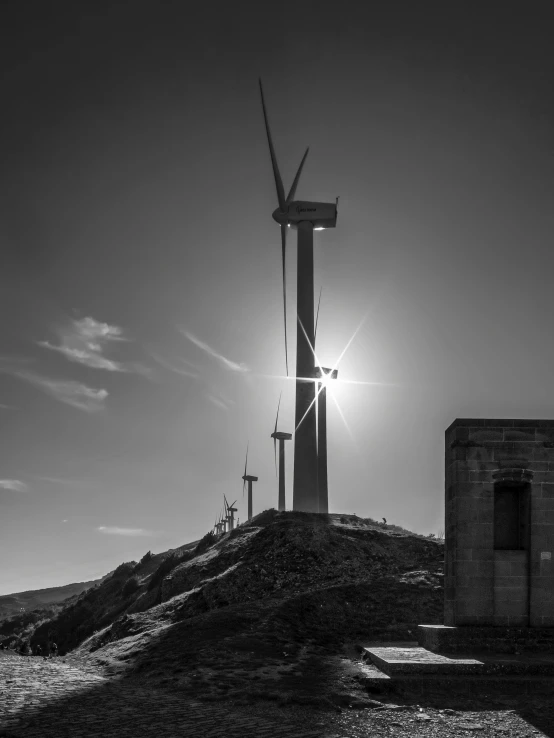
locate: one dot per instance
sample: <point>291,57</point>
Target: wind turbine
<point>248,478</point>
<point>281,437</point>
<point>230,513</point>
<point>302,216</point>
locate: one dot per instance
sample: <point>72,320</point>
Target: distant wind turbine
<point>248,478</point>
<point>281,437</point>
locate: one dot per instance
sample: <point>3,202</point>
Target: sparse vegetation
<point>131,586</point>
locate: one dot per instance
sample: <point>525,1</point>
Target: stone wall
<point>484,586</point>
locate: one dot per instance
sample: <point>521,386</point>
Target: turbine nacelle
<point>319,214</point>
<point>280,436</point>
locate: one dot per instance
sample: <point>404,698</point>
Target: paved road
<point>50,699</point>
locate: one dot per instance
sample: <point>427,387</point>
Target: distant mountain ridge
<point>34,599</point>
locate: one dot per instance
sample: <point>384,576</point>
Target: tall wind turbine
<point>248,478</point>
<point>281,437</point>
<point>302,216</point>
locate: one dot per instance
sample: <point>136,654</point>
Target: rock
<point>470,726</point>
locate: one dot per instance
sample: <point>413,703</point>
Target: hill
<point>13,604</point>
<point>255,611</point>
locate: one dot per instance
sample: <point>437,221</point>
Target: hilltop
<point>252,612</point>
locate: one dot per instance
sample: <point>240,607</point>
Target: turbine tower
<point>322,483</point>
<point>281,437</point>
<point>248,478</point>
<point>302,216</point>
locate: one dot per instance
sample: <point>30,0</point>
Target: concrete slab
<point>417,660</point>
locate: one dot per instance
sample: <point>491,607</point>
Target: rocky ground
<point>72,696</point>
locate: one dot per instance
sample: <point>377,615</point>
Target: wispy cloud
<point>172,367</point>
<point>84,342</point>
<point>60,480</point>
<point>68,391</point>
<point>227,363</point>
<point>115,531</point>
<point>14,484</point>
<point>217,402</point>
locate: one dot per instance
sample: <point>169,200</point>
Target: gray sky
<point>141,338</point>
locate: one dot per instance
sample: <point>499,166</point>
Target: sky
<point>141,328</point>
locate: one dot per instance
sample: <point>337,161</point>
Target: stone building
<point>499,517</point>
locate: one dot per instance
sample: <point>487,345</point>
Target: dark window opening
<point>511,510</point>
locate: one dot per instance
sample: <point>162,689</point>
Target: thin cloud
<point>115,531</point>
<point>89,358</point>
<point>170,366</point>
<point>59,480</point>
<point>13,484</point>
<point>217,402</point>
<point>69,392</point>
<point>84,342</point>
<point>227,363</point>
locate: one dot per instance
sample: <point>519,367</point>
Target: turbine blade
<point>246,460</point>
<point>292,190</point>
<point>283,259</point>
<point>317,315</point>
<point>277,418</point>
<point>276,174</point>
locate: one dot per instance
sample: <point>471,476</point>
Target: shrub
<point>205,543</point>
<point>123,570</point>
<point>146,558</point>
<point>130,586</point>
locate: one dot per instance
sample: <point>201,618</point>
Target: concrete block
<point>464,554</point>
<point>469,489</point>
<point>544,434</point>
<point>513,608</point>
<point>547,490</point>
<point>502,569</point>
<point>543,503</point>
<point>486,515</point>
<point>500,423</point>
<point>512,581</point>
<point>540,466</point>
<point>482,554</point>
<point>512,451</point>
<point>478,453</point>
<point>519,568</point>
<point>480,435</point>
<point>509,594</point>
<point>519,435</point>
<point>541,454</point>
<point>543,477</point>
<point>482,476</point>
<point>458,453</point>
<point>475,609</point>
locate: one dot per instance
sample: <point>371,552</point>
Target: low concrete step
<point>396,661</point>
<point>417,660</point>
